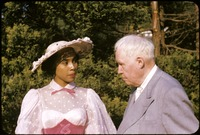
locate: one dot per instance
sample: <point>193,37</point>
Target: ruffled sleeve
<point>99,119</point>
<point>28,120</point>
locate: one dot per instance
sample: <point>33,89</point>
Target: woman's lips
<point>72,75</point>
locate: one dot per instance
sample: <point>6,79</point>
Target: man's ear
<point>140,62</point>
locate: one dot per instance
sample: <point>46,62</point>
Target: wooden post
<point>155,27</point>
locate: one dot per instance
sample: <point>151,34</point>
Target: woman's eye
<point>75,60</point>
<point>64,62</point>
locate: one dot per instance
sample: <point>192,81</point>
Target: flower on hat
<point>82,46</point>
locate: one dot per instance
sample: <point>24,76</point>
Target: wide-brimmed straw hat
<point>82,47</point>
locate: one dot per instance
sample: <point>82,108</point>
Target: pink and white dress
<point>45,111</point>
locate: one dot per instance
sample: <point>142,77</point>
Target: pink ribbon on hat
<point>71,91</point>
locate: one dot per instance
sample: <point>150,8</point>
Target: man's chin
<point>127,82</point>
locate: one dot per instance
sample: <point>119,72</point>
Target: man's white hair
<point>134,45</point>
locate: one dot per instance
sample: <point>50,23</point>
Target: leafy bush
<point>100,76</point>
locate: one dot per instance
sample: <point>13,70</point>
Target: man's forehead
<point>120,52</point>
<point>120,55</point>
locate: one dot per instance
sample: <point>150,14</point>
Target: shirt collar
<point>56,86</point>
<point>149,76</point>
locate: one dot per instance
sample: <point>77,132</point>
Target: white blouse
<point>41,109</point>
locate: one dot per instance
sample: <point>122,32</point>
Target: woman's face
<point>66,71</point>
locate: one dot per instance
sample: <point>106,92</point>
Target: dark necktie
<point>64,89</point>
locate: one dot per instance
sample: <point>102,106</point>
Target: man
<point>158,103</point>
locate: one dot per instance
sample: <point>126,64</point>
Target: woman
<point>61,107</point>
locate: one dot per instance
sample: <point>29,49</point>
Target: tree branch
<point>183,49</point>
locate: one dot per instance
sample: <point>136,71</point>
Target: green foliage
<point>103,78</point>
<point>115,107</point>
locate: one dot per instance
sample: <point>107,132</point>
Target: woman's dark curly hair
<point>49,65</point>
